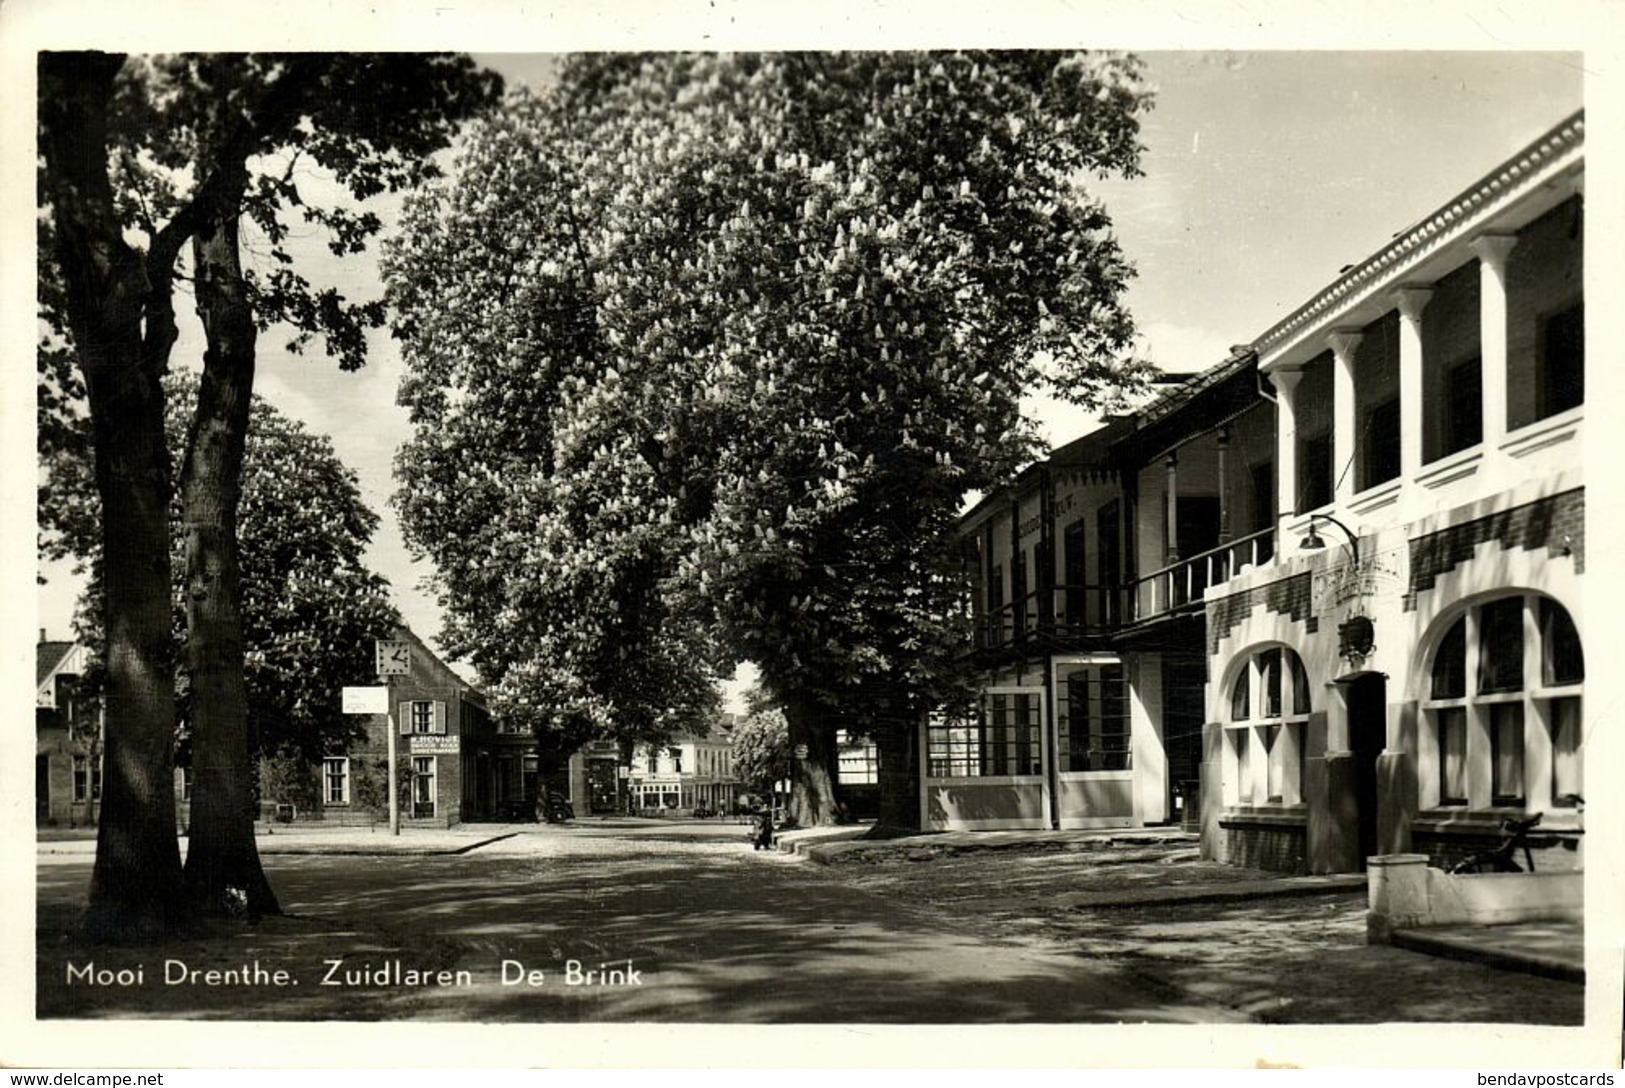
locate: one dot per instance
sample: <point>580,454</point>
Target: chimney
<point>42,634</point>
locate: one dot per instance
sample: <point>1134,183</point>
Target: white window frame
<point>433,777</point>
<point>962,748</point>
<point>343,779</point>
<point>857,762</point>
<point>1263,753</point>
<point>1537,700</point>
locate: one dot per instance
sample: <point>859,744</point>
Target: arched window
<point>1502,708</point>
<point>1264,739</point>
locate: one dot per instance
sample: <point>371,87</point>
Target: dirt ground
<point>701,928</point>
<point>1297,960</point>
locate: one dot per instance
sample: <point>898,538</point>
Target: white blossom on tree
<point>704,352</point>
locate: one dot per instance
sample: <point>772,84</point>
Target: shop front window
<point>1092,727</point>
<point>1004,740</point>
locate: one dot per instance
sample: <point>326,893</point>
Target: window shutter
<point>403,719</point>
<point>439,717</point>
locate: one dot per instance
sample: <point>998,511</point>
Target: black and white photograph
<point>830,526</point>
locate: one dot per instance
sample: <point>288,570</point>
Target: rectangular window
<point>1464,405</point>
<point>1452,727</point>
<point>1244,770</point>
<point>1506,753</point>
<point>1108,556</point>
<point>423,786</point>
<point>423,717</point>
<point>1313,418</point>
<point>676,755</point>
<point>1018,591</point>
<point>857,763</point>
<point>336,780</point>
<point>1075,575</point>
<point>1564,719</point>
<point>1379,446</point>
<point>1275,762</point>
<point>1500,646</point>
<point>1094,727</point>
<point>81,779</point>
<point>1009,741</point>
<point>1004,741</point>
<point>654,763</point>
<point>1562,361</point>
<point>1314,471</point>
<point>953,749</point>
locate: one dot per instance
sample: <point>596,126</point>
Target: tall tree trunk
<point>136,883</point>
<point>897,744</point>
<point>223,871</point>
<point>812,777</point>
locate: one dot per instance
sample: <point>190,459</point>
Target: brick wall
<point>1289,596</point>
<point>1274,849</point>
<point>1540,524</point>
<point>1543,275</point>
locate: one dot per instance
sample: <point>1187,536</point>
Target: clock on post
<point>394,657</point>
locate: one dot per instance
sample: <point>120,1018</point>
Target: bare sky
<point>1265,173</point>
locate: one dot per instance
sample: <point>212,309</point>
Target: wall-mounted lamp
<point>1313,541</point>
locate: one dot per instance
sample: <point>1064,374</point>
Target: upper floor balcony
<point>1084,617</point>
<point>1179,587</point>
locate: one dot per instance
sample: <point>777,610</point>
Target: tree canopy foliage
<point>761,749</point>
<point>311,607</point>
<point>704,352</point>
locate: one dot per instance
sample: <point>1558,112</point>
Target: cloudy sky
<point>1266,172</point>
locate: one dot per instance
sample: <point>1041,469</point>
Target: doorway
<point>1367,698</point>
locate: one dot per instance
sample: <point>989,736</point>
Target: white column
<point>1344,344</point>
<point>1411,302</point>
<point>1286,450</point>
<point>1492,251</point>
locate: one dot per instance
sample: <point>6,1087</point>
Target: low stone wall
<point>1406,893</point>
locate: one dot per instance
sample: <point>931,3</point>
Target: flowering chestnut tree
<point>704,353</point>
<point>311,608</point>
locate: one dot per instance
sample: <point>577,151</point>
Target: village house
<point>694,771</point>
<point>452,763</point>
<point>1088,577</point>
<point>67,731</point>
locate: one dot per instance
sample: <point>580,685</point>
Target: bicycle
<point>1514,837</point>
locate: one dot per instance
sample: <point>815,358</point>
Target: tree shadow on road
<point>731,940</point>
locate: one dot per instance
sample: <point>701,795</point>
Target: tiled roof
<point>1170,400</point>
<point>47,657</point>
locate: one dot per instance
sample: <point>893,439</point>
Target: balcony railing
<point>1071,614</point>
<point>1180,585</point>
<point>1066,613</point>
